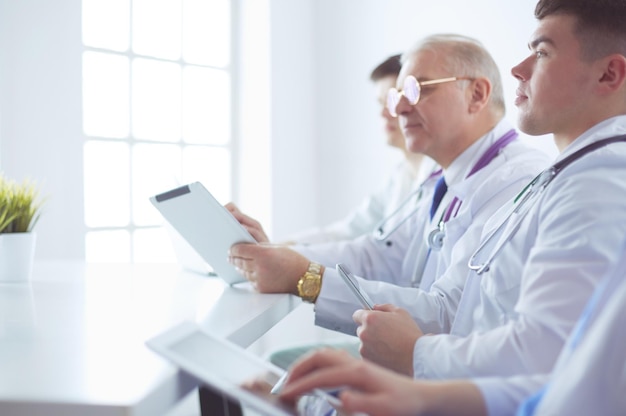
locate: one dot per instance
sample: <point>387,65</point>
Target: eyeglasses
<point>411,89</point>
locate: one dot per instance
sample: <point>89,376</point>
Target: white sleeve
<point>593,379</point>
<point>336,303</point>
<point>590,377</point>
<point>504,396</point>
<point>365,256</point>
<point>364,218</point>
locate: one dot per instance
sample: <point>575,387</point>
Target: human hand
<point>365,386</point>
<point>270,268</point>
<point>263,385</point>
<point>388,335</point>
<point>253,226</point>
<point>259,385</point>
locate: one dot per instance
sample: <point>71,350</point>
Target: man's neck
<point>564,138</point>
<point>414,160</point>
<point>469,138</point>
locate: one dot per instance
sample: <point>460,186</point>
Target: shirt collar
<point>463,164</point>
<point>614,126</point>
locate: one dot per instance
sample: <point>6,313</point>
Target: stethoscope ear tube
<point>537,185</point>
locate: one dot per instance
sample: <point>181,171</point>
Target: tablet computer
<point>221,365</point>
<point>205,224</point>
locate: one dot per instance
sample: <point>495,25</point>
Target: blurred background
<point>267,102</point>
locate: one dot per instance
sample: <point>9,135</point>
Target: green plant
<point>20,206</point>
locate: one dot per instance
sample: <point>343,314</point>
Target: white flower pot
<point>17,253</point>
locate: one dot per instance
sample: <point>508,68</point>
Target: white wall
<point>294,127</point>
<point>314,109</point>
<point>40,103</point>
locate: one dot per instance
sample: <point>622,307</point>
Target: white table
<point>72,340</point>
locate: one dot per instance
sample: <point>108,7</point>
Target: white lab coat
<point>380,204</point>
<point>590,375</point>
<point>515,318</point>
<point>591,379</point>
<point>389,269</point>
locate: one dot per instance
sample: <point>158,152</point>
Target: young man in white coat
<point>456,116</point>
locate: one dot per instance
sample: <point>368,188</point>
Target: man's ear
<point>480,90</point>
<point>613,75</point>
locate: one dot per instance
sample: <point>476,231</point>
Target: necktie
<point>440,190</point>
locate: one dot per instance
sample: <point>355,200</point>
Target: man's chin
<point>415,147</point>
<point>395,142</point>
<point>413,140</point>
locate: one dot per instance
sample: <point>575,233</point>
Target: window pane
<point>156,100</point>
<point>211,166</point>
<point>156,28</point>
<point>153,245</point>
<point>107,247</point>
<point>206,106</point>
<point>171,117</point>
<point>105,95</point>
<point>106,24</point>
<point>106,184</point>
<point>206,32</point>
<point>156,169</point>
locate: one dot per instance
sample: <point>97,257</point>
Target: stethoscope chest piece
<point>436,237</point>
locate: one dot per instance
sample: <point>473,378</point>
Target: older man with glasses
<point>451,108</point>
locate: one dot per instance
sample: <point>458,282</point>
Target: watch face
<point>309,286</point>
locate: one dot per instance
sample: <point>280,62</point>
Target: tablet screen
<point>221,365</point>
<point>229,364</point>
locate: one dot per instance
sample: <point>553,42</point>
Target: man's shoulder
<point>519,152</point>
<point>518,161</point>
<point>505,176</point>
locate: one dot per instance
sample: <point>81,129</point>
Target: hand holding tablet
<point>205,224</point>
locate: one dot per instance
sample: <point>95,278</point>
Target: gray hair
<point>464,56</point>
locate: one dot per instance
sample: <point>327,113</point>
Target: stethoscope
<point>414,197</point>
<point>533,189</point>
<point>437,236</point>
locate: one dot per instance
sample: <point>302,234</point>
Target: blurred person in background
<point>399,188</point>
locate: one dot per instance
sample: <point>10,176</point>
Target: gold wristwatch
<point>310,284</point>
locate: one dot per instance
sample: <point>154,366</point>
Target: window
<point>156,114</point>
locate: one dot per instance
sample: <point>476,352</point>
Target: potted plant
<point>20,207</point>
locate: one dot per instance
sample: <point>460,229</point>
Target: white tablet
<point>221,365</point>
<point>205,224</point>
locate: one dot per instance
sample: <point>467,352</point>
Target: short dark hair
<point>390,67</point>
<point>600,24</point>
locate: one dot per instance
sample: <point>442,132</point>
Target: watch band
<point>310,284</point>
